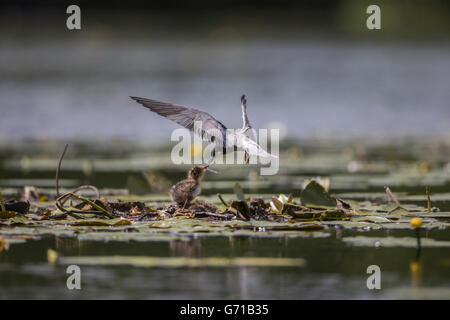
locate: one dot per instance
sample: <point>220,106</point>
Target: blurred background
<point>362,109</point>
<point>310,68</point>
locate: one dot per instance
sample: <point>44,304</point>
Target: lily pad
<point>371,219</point>
<point>90,223</point>
<point>333,215</point>
<point>353,225</point>
<point>407,242</point>
<point>181,262</point>
<point>7,214</point>
<point>315,196</point>
<point>400,211</point>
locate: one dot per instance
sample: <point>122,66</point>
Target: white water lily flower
<point>283,198</point>
<point>274,208</point>
<point>277,203</point>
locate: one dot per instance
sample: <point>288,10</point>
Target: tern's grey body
<point>211,129</point>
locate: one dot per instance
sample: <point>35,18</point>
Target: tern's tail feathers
<point>254,149</point>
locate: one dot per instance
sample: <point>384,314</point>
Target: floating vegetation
<point>175,262</point>
<point>104,220</point>
<point>89,213</point>
<point>407,242</point>
<point>138,221</point>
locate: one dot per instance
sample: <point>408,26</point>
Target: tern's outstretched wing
<point>186,117</point>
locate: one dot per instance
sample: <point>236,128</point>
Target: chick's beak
<point>207,168</point>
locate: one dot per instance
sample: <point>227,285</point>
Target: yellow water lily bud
<point>196,150</point>
<point>416,222</point>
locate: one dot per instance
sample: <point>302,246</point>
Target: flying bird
<point>210,128</point>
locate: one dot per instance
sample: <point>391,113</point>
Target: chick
<point>186,190</point>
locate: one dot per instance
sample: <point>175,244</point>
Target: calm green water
<point>332,270</point>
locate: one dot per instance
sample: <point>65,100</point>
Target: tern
<point>210,128</point>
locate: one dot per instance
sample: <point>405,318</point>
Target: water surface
<point>333,270</point>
